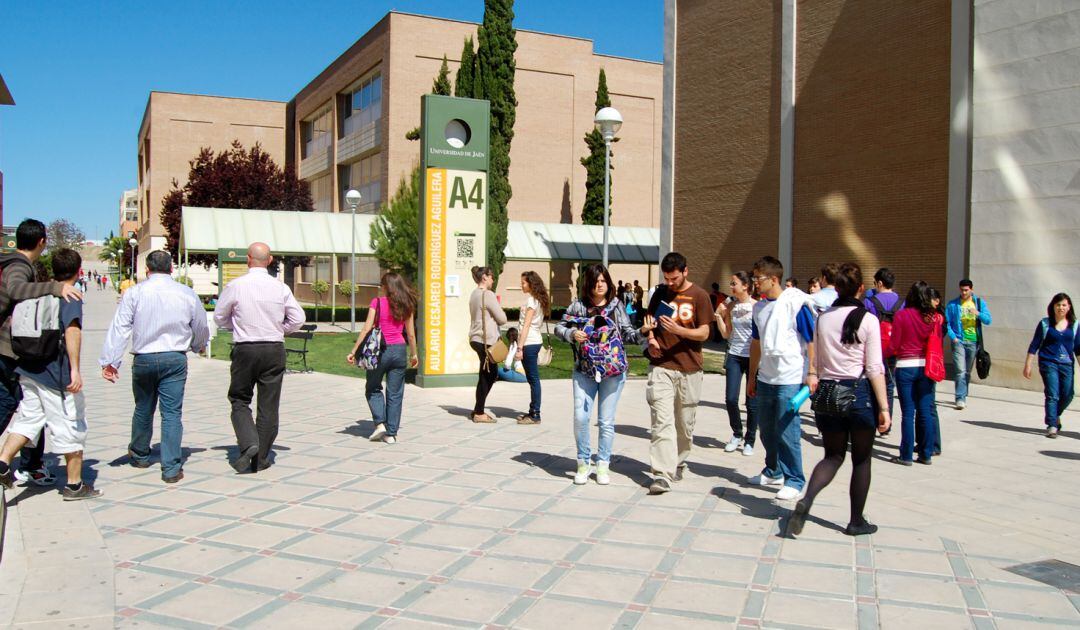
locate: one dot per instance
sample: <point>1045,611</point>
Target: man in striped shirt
<point>163,319</point>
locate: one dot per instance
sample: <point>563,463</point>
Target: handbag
<point>371,348</point>
<point>935,355</point>
<point>547,353</point>
<point>497,351</point>
<point>833,398</point>
<point>982,358</point>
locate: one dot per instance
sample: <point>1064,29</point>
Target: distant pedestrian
<point>485,318</point>
<point>511,370</point>
<point>791,283</point>
<point>825,297</point>
<point>735,320</point>
<point>394,313</point>
<point>260,311</point>
<point>1055,345</point>
<point>813,286</point>
<point>884,303</point>
<point>537,308</point>
<point>164,320</point>
<point>912,327</point>
<point>965,316</point>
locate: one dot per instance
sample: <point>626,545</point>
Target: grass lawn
<point>326,353</point>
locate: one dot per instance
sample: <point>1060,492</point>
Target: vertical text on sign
<point>434,269</point>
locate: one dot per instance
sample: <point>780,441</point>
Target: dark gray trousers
<point>261,364</point>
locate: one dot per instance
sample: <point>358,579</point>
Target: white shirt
<point>257,307</point>
<point>532,336</point>
<point>741,318</point>
<point>157,315</point>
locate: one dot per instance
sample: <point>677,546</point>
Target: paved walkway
<point>468,525</point>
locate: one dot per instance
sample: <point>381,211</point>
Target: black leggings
<point>836,445</point>
<point>487,376</point>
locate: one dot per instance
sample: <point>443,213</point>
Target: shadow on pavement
<point>1061,454</point>
<point>1019,429</point>
<point>363,429</point>
<point>564,467</point>
<point>155,455</point>
<point>31,490</point>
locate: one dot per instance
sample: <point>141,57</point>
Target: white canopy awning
<point>324,233</point>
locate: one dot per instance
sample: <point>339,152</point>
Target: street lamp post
<point>353,199</point>
<point>134,244</point>
<point>607,120</point>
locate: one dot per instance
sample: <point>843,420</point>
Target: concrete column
<point>959,212</point>
<point>667,138</point>
<point>787,131</point>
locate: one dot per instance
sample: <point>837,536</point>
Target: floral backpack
<point>603,353</point>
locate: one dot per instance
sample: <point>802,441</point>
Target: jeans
<point>586,393</point>
<point>963,353</point>
<point>781,433</point>
<point>159,377</point>
<point>916,393</point>
<point>261,364</point>
<point>387,410</point>
<point>1058,388</point>
<point>737,368</point>
<point>890,382</point>
<point>529,355</point>
<point>511,376</point>
<point>486,378</point>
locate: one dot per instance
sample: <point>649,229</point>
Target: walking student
<point>735,319</point>
<point>781,348</point>
<point>965,316</point>
<point>394,312</point>
<point>52,388</point>
<point>1054,346</point>
<point>681,313</point>
<point>847,357</point>
<point>884,303</point>
<point>912,326</point>
<point>260,311</point>
<point>598,329</point>
<point>163,319</point>
<point>824,298</point>
<point>485,318</point>
<point>531,340</point>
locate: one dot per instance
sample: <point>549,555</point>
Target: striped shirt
<point>158,315</point>
<point>256,307</point>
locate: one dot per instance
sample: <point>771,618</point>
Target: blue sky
<point>81,71</point>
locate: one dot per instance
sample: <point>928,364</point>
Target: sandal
<point>482,418</point>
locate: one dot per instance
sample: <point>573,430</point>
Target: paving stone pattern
<point>465,525</point>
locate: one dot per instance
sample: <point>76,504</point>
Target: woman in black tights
<point>847,342</point>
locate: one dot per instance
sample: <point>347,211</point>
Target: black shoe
<point>937,451</point>
<point>902,462</point>
<point>679,472</point>
<point>659,486</point>
<point>135,461</point>
<point>862,529</point>
<point>263,466</point>
<point>926,461</point>
<point>84,491</point>
<point>242,463</point>
<point>7,479</point>
<point>797,519</point>
<point>177,477</point>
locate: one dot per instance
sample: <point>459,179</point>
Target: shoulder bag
<point>982,357</point>
<point>833,398</point>
<point>371,348</point>
<point>547,353</point>
<point>935,354</point>
<point>497,351</point>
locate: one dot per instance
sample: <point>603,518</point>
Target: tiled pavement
<point>478,525</point>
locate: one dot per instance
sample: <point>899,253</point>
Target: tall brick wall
<point>872,136</point>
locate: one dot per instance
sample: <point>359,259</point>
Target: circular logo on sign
<point>232,254</point>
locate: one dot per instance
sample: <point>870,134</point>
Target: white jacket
<point>779,337</point>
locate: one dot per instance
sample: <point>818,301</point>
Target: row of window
<point>360,109</point>
<point>364,175</point>
<point>319,267</point>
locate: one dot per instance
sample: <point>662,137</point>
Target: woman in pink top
<point>847,344</point>
<point>395,309</point>
<point>912,326</point>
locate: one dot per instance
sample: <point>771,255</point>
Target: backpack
<point>885,317</point>
<point>603,353</point>
<point>36,334</point>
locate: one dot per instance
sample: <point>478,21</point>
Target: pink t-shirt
<point>392,330</point>
<point>835,361</point>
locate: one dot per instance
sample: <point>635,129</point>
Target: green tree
<point>592,212</point>
<point>496,44</point>
<point>465,82</point>
<point>395,234</point>
<point>441,85</point>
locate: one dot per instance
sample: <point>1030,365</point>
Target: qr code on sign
<point>465,248</point>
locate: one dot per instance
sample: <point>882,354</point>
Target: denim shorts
<point>862,415</point>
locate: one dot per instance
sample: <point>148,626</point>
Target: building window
<point>322,193</point>
<point>363,105</point>
<point>366,177</point>
<point>368,272</point>
<point>316,133</point>
<point>318,268</point>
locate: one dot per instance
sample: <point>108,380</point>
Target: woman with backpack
<point>392,314</point>
<point>537,307</point>
<point>598,329</point>
<point>485,318</point>
<point>734,319</point>
<point>1055,345</point>
<point>911,331</point>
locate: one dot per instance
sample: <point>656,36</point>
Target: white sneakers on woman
<point>733,444</point>
<point>378,433</point>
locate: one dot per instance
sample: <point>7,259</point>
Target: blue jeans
<point>529,354</point>
<point>156,378</point>
<point>586,392</point>
<point>963,355</point>
<point>511,376</point>
<point>916,393</point>
<point>781,433</point>
<point>386,410</point>
<point>1058,389</point>
<point>890,382</point>
<point>737,368</point>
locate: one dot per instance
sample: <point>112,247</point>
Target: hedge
<point>342,313</point>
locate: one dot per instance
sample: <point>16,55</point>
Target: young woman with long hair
<point>396,312</point>
<point>1054,346</point>
<point>734,319</point>
<point>531,340</point>
<point>912,326</point>
<point>596,300</point>
<point>847,344</point>
<point>485,318</point>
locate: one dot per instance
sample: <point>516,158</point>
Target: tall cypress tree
<point>496,66</point>
<point>592,212</point>
<point>465,82</point>
<point>441,85</point>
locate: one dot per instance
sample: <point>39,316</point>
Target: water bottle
<point>799,399</point>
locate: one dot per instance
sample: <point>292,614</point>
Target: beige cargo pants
<point>673,401</point>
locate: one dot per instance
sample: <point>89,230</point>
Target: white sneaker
<point>764,480</point>
<point>602,476</point>
<point>378,433</point>
<point>39,477</point>
<point>787,493</point>
<point>748,450</point>
<point>960,404</point>
<point>733,444</point>
<point>389,439</point>
<point>582,475</point>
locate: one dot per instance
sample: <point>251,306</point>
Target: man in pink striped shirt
<point>260,311</point>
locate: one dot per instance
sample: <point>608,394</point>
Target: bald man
<point>260,311</point>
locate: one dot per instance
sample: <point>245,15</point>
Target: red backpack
<point>885,317</point>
